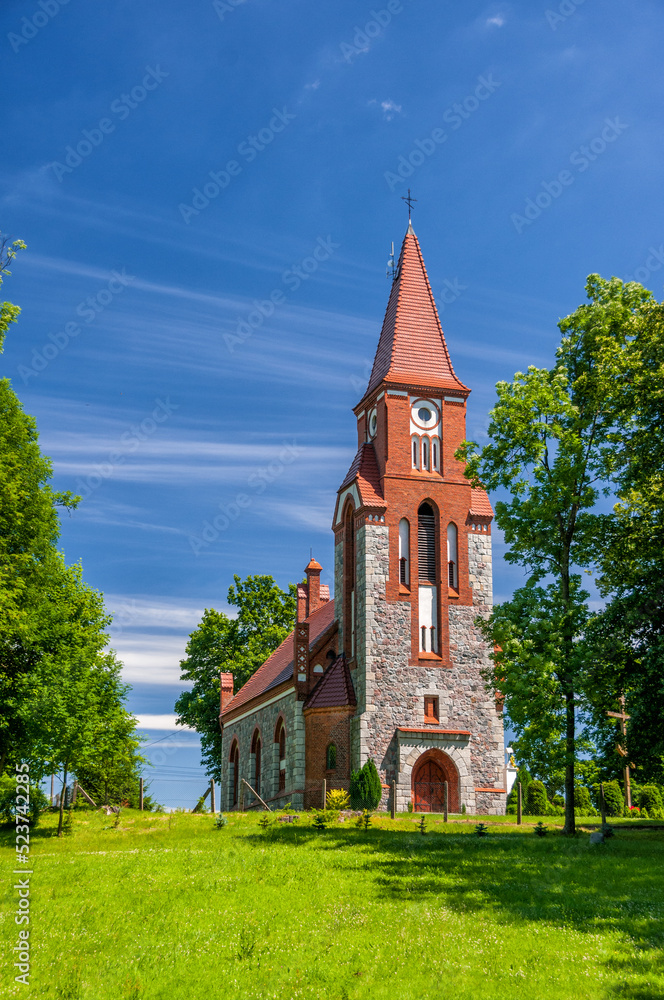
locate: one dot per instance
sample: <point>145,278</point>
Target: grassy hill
<point>170,907</point>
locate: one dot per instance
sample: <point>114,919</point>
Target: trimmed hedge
<point>650,797</point>
<point>582,801</point>
<point>537,803</point>
<point>613,798</point>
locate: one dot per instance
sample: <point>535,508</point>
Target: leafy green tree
<point>628,635</point>
<point>366,789</point>
<point>8,313</point>
<point>76,719</point>
<point>240,645</point>
<point>61,700</point>
<point>551,446</point>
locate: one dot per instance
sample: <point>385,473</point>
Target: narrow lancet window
<point>404,551</point>
<point>427,590</point>
<point>415,449</point>
<point>452,556</point>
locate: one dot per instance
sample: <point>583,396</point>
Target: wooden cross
<point>622,715</point>
<point>410,202</point>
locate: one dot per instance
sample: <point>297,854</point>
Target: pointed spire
<point>412,348</point>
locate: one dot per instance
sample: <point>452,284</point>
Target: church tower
<point>413,570</point>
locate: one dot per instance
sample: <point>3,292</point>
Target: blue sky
<point>172,168</point>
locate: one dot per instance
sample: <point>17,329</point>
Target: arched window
<point>404,551</point>
<point>256,748</point>
<point>280,739</point>
<point>415,451</point>
<point>425,453</point>
<point>349,582</point>
<point>435,454</point>
<point>234,774</point>
<point>427,589</point>
<point>452,556</point>
<point>331,757</point>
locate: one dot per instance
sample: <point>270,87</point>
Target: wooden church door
<point>429,787</point>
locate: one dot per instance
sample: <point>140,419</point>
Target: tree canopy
<point>239,645</point>
<point>552,447</point>
<point>61,699</point>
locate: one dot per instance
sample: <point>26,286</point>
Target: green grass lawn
<point>169,907</point>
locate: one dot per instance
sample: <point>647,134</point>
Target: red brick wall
<point>323,726</point>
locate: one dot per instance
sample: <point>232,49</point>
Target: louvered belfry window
<point>426,544</point>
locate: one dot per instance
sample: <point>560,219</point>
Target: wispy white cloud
<point>497,21</point>
<point>151,659</point>
<point>183,462</point>
<point>143,611</point>
<point>162,722</point>
<point>388,107</point>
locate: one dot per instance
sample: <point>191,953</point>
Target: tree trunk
<point>570,821</point>
<point>568,690</point>
<point>62,802</point>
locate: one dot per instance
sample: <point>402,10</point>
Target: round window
<point>373,424</point>
<point>424,414</point>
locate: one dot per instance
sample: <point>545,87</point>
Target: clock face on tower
<point>424,414</point>
<point>372,424</point>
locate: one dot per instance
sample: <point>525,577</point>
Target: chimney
<point>226,690</point>
<point>313,572</point>
<point>301,602</point>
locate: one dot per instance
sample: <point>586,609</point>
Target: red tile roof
<point>334,689</point>
<point>412,346</point>
<point>279,667</point>
<point>480,505</point>
<point>364,471</point>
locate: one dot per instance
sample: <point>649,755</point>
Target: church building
<point>390,667</point>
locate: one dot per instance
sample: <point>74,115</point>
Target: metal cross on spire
<point>410,202</point>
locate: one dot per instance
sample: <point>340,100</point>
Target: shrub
<point>265,822</point>
<point>422,826</point>
<point>613,799</point>
<point>536,800</point>
<point>364,821</point>
<point>220,822</point>
<point>582,802</point>
<point>365,787</point>
<point>337,799</point>
<point>320,820</point>
<point>482,830</point>
<point>540,830</point>
<point>650,798</point>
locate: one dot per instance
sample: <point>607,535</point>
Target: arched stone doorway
<point>430,773</point>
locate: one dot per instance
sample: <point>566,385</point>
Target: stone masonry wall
<point>480,568</point>
<point>265,719</point>
<point>391,689</point>
<point>339,586</point>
